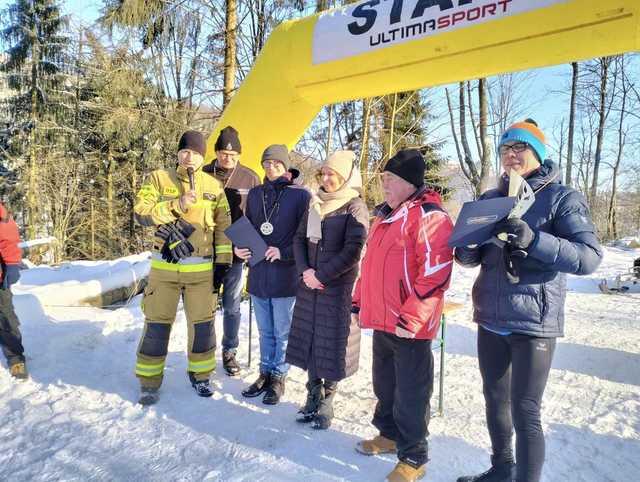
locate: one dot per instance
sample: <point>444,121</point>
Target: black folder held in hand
<point>477,220</point>
<point>243,235</point>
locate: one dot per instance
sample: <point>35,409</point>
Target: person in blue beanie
<point>518,300</point>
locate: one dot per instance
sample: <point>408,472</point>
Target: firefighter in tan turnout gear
<point>191,212</point>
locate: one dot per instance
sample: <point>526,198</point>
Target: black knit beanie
<point>194,141</point>
<point>228,140</point>
<point>409,165</point>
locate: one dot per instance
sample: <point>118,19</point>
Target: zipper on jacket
<point>499,270</point>
<point>315,296</point>
<point>403,292</point>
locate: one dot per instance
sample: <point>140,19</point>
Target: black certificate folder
<point>477,219</point>
<point>243,235</point>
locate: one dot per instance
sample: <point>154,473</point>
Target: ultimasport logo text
<point>375,24</point>
<point>366,14</point>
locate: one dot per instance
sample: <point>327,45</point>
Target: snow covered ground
<point>77,418</point>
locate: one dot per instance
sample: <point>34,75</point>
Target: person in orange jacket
<point>10,258</point>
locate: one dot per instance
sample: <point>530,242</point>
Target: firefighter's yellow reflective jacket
<point>157,203</point>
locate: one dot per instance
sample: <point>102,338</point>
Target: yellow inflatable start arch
<point>375,47</point>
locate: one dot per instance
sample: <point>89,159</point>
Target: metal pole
<point>250,324</point>
<point>443,334</point>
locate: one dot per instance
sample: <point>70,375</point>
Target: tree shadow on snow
<point>323,454</point>
<point>579,453</point>
<point>75,352</point>
<point>604,363</point>
<point>58,450</point>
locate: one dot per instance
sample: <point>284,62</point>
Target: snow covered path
<point>77,420</point>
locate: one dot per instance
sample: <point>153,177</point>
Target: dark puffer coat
<point>276,279</point>
<point>565,242</point>
<point>322,338</point>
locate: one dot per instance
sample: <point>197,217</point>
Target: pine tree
<point>34,66</point>
<point>400,121</point>
<point>128,129</point>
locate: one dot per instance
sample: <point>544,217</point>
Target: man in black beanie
<point>237,181</point>
<point>193,141</point>
<point>400,295</point>
<point>190,211</point>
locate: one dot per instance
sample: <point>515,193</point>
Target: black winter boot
<point>230,364</point>
<point>499,472</point>
<point>148,396</point>
<point>257,387</point>
<point>202,388</point>
<point>275,390</point>
<point>315,393</point>
<point>323,418</point>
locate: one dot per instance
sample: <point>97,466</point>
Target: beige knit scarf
<point>324,203</point>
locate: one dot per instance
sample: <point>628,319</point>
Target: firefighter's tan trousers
<point>160,303</point>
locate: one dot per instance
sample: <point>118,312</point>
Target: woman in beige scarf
<point>327,249</point>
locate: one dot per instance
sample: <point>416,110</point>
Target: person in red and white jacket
<point>400,294</point>
<point>10,258</point>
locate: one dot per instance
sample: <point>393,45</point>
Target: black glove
<point>219,272</point>
<point>160,237</point>
<point>519,234</point>
<point>166,254</point>
<point>11,275</point>
<point>179,246</point>
<point>176,246</point>
<point>163,232</point>
<point>184,227</point>
<point>512,258</point>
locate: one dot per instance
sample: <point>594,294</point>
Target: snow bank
<point>76,283</point>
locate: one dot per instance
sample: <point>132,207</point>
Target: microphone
<point>192,182</point>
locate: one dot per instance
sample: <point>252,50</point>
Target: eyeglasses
<point>517,148</point>
<point>266,164</point>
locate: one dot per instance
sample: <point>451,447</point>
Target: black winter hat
<point>409,165</point>
<point>194,141</point>
<point>228,140</point>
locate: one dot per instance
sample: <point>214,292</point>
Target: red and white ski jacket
<point>406,268</point>
<point>10,253</point>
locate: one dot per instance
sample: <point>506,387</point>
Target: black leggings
<point>514,370</point>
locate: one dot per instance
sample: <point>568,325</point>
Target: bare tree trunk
<point>110,190</point>
<point>464,169</point>
<point>32,202</point>
<point>329,132</point>
<point>93,230</point>
<point>602,116</point>
<point>466,162</point>
<point>258,26</point>
<point>230,52</point>
<point>393,125</point>
<point>463,127</point>
<point>193,71</point>
<point>561,146</point>
<point>364,151</point>
<point>612,227</point>
<point>572,123</point>
<point>476,135</point>
<point>485,160</point>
